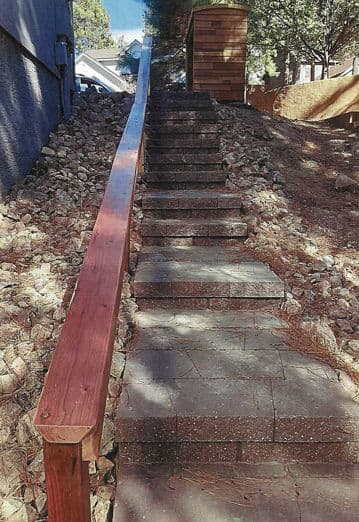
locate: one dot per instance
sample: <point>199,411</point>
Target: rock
<point>345,325</point>
<point>102,510</point>
<point>291,306</point>
<point>321,333</point>
<point>108,437</point>
<point>352,347</point>
<point>337,145</point>
<point>103,464</point>
<point>355,150</point>
<point>26,219</point>
<point>278,178</point>
<point>46,151</point>
<point>345,182</point>
<point>14,510</point>
<point>324,288</point>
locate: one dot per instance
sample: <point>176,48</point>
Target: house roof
<point>112,53</point>
<point>104,71</point>
<point>337,70</point>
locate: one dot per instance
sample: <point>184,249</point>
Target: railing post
<point>67,483</point>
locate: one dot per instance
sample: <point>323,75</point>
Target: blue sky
<point>126,18</point>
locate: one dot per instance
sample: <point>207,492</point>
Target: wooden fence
<point>71,409</point>
<point>216,43</point>
<point>319,100</point>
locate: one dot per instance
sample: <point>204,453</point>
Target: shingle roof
<point>340,69</point>
<point>112,53</point>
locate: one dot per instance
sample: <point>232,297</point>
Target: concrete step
<point>208,116</point>
<point>179,228</point>
<point>191,199</point>
<point>174,127</point>
<point>208,159</point>
<point>181,95</point>
<point>171,151</point>
<point>195,254</point>
<point>192,141</point>
<point>204,386</point>
<point>181,105</point>
<point>189,176</point>
<point>188,279</point>
<point>269,492</point>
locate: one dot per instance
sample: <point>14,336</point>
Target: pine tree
<point>91,25</point>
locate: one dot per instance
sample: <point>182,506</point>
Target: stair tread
<point>195,254</point>
<point>194,227</point>
<point>269,492</point>
<point>247,271</point>
<point>227,376</point>
<point>213,394</point>
<point>208,320</point>
<point>185,199</point>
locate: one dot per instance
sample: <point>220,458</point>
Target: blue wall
<point>34,92</point>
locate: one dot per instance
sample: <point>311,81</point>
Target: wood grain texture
<point>72,402</point>
<point>225,54</point>
<point>217,40</point>
<point>67,483</point>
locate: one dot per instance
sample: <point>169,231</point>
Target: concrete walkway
<point>216,411</point>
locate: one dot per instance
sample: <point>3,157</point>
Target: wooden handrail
<point>71,408</point>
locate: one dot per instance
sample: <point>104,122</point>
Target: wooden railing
<point>71,409</point>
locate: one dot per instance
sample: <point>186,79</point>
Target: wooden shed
<point>216,43</point>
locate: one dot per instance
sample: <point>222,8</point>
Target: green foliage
<point>91,25</point>
<point>305,30</point>
<point>127,60</point>
<point>311,30</point>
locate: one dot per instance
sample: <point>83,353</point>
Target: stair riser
<point>184,116</point>
<point>185,186</point>
<point>186,177</point>
<point>191,241</point>
<point>214,304</point>
<point>176,150</point>
<point>256,452</point>
<point>175,128</point>
<point>260,290</point>
<point>193,201</point>
<point>193,140</point>
<point>179,97</point>
<point>184,106</point>
<point>209,158</point>
<point>190,230</point>
<point>201,213</point>
<point>181,168</point>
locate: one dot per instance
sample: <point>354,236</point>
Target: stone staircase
<point>209,377</point>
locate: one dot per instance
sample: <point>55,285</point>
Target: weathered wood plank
<point>219,24</point>
<point>220,54</point>
<point>223,68</point>
<point>217,37</point>
<point>220,34</point>
<point>201,86</point>
<point>67,483</point>
<point>72,402</point>
<point>220,43</point>
<point>219,12</point>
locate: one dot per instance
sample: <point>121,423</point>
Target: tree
<point>311,30</point>
<point>91,25</point>
<point>128,62</point>
<point>285,32</point>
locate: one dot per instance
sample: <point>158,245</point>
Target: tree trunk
<point>325,66</point>
<point>312,72</point>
